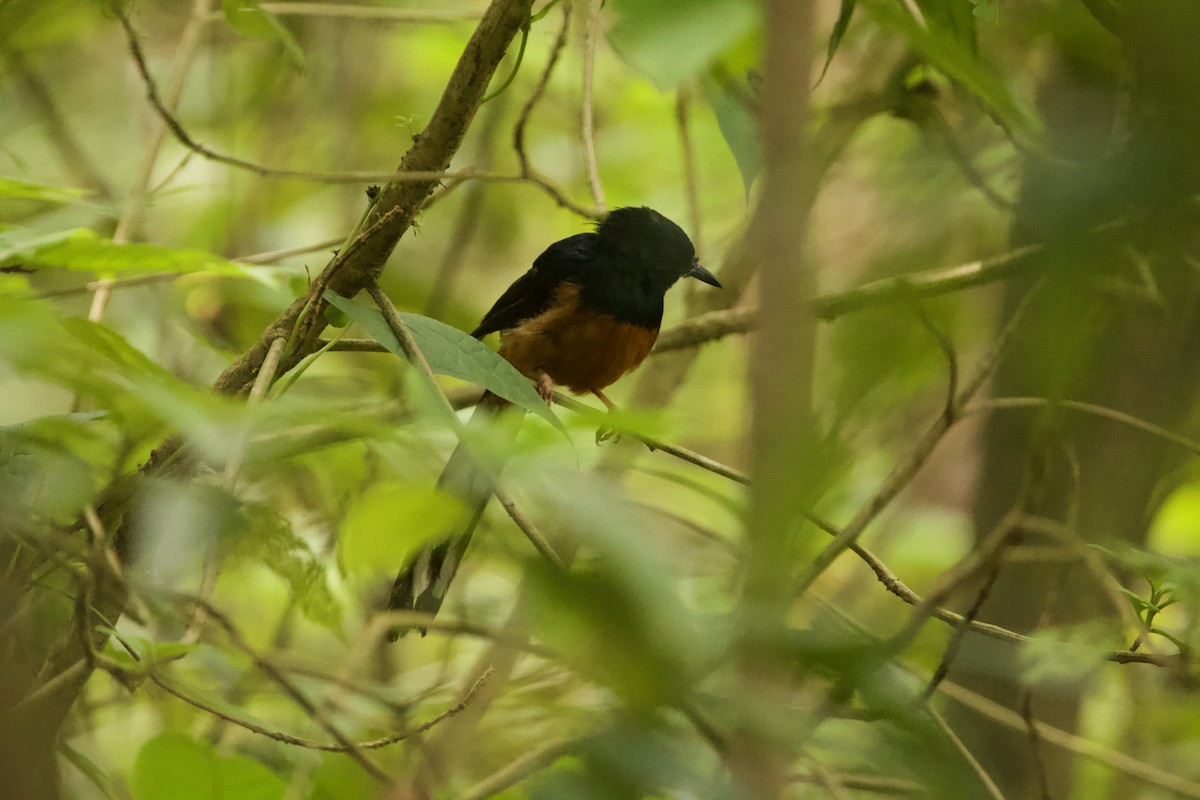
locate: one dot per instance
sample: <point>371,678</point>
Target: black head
<point>652,246</point>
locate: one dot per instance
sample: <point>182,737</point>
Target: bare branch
<point>276,675</point>
<point>399,201</point>
<point>1035,742</point>
<point>363,12</point>
<point>520,769</point>
<point>691,179</point>
<point>527,170</point>
<point>1006,403</point>
<point>285,738</point>
<point>587,123</point>
<point>1113,759</point>
<point>907,468</point>
<point>992,789</point>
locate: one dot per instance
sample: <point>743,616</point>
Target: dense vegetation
<point>910,508</point>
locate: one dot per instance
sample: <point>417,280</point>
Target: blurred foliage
<point>133,271</point>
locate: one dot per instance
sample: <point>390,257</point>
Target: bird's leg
<point>545,386</point>
<point>604,432</point>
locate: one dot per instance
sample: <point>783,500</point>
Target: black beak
<point>701,274</point>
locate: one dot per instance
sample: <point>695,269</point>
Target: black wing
<point>531,294</point>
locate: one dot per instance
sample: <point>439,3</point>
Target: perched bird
<point>586,313</point>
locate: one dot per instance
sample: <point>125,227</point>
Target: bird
<point>587,312</point>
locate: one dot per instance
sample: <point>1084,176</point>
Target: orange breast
<point>579,348</point>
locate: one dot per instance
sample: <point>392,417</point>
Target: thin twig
<point>827,780</point>
<point>161,277</point>
<point>904,471</point>
<point>520,769</point>
<point>897,587</point>
<point>276,675</point>
<point>279,736</point>
<point>587,122</point>
<point>374,13</point>
<point>271,256</point>
<point>336,177</point>
<point>135,201</point>
<point>1113,759</point>
<point>262,382</point>
<point>417,359</point>
<point>866,783</point>
<point>956,638</point>
<point>180,133</point>
<point>681,453</point>
<point>1035,743</point>
<point>971,565</point>
<point>947,348</point>
<point>527,170</point>
<point>466,224</point>
<point>1105,578</point>
<point>1008,403</point>
<point>967,755</point>
<point>691,179</point>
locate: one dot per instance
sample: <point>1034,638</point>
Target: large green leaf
<point>845,13</point>
<point>956,18</point>
<point>618,613</point>
<point>90,360</point>
<point>451,352</point>
<point>173,766</point>
<point>52,466</point>
<point>672,40</point>
<point>737,125</point>
<point>939,44</point>
<point>390,520</point>
<point>82,249</point>
<point>13,189</point>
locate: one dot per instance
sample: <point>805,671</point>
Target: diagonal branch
<point>399,202</point>
<point>903,473</point>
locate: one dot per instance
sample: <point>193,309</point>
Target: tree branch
<point>399,202</point>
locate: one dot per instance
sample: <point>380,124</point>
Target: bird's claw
<point>545,388</point>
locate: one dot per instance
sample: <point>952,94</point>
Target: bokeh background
<point>1016,184</point>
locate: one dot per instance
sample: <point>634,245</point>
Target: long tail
<point>422,583</point>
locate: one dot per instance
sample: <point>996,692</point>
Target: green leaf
<point>987,10</point>
<point>249,19</point>
<point>617,615</point>
<point>172,766</point>
<point>671,40</point>
<point>338,777</point>
<point>13,189</point>
<point>839,30</point>
<point>52,466</point>
<point>1137,601</point>
<point>451,352</point>
<point>390,521</point>
<point>954,17</point>
<point>1063,656</point>
<point>737,125</point>
<point>939,45</point>
<point>82,249</point>
<point>262,535</point>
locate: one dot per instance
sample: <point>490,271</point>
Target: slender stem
<point>417,359</point>
<point>587,121</point>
